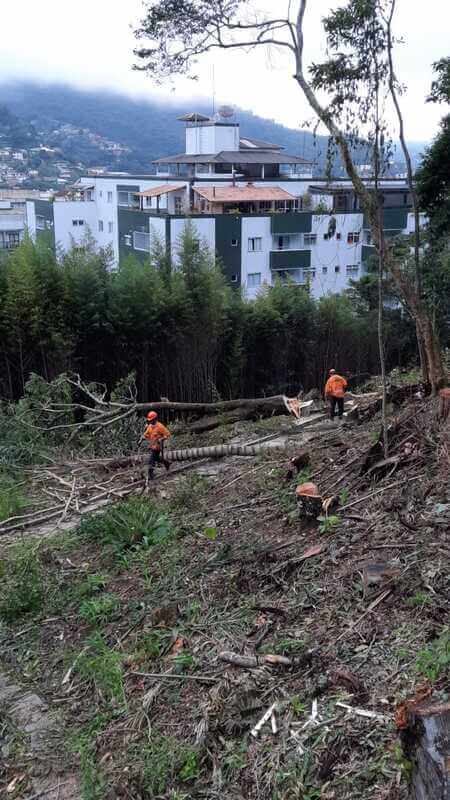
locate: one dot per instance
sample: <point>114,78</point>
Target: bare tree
<point>179,31</point>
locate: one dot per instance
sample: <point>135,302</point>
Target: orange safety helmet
<point>152,415</point>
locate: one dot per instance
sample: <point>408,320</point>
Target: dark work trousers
<point>339,402</point>
<point>155,457</point>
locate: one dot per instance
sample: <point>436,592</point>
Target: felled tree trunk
<point>427,745</point>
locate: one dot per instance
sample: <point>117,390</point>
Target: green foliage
<point>12,500</point>
<point>22,584</point>
<point>166,760</point>
<point>343,497</point>
<point>99,609</point>
<point>84,743</point>
<point>434,660</point>
<point>103,666</point>
<point>419,599</point>
<point>329,524</point>
<point>133,524</point>
<point>92,585</point>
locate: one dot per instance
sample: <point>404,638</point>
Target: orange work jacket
<point>335,386</point>
<point>155,433</point>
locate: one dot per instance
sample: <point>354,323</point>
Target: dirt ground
<point>123,625</point>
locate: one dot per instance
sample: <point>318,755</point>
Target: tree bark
<point>426,742</point>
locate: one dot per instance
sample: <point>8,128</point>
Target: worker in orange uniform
<point>334,392</point>
<point>156,434</point>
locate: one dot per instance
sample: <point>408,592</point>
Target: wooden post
<point>426,742</point>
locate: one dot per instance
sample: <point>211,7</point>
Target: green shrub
<point>99,609</point>
<point>22,584</point>
<point>132,524</point>
<point>434,660</point>
<point>92,585</point>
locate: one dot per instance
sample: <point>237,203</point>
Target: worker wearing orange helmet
<point>334,392</point>
<point>155,434</point>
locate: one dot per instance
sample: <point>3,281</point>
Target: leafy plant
<point>419,599</point>
<point>102,665</point>
<point>298,706</point>
<point>22,584</point>
<point>92,585</point>
<point>329,524</point>
<point>190,768</point>
<point>343,497</point>
<point>99,609</point>
<point>134,524</point>
<point>434,660</point>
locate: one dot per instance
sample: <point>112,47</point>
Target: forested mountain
<point>147,129</point>
<point>15,132</point>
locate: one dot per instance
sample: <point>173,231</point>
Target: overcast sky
<point>89,44</point>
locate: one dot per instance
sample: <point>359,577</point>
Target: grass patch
<point>166,761</point>
<point>329,524</point>
<point>434,660</point>
<point>101,665</point>
<point>99,609</point>
<point>84,743</point>
<point>22,584</point>
<point>12,500</point>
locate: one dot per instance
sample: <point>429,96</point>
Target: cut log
<point>426,743</point>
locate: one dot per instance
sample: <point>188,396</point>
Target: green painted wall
<point>295,222</point>
<point>393,219</point>
<point>228,229</point>
<point>128,222</point>
<point>290,259</point>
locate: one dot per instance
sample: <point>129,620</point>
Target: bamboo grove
<point>183,331</point>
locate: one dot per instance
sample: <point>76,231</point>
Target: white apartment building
<point>254,205</point>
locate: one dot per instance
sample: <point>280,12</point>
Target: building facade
<point>258,208</point>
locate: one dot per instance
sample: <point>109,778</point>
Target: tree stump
<point>426,742</point>
<point>309,500</point>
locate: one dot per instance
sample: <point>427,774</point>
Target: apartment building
<point>253,204</point>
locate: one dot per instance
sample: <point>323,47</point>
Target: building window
<point>110,194</point>
<point>100,193</point>
<point>338,236</point>
<point>234,279</point>
<point>352,238</point>
<point>110,227</point>
<point>255,246</point>
<point>352,269</point>
<point>284,242</point>
<point>123,198</point>
<point>367,237</point>
<point>253,280</point>
<point>308,274</point>
<point>324,270</point>
<point>141,241</point>
<point>76,222</point>
<point>40,223</point>
<point>127,240</point>
<point>234,243</point>
<point>310,238</point>
<point>100,225</point>
<point>9,239</point>
<point>337,269</point>
<point>326,237</point>
<point>178,203</point>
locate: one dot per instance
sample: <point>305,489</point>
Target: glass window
<point>310,238</point>
<point>141,241</point>
<point>110,227</point>
<point>255,246</point>
<point>40,223</point>
<point>110,197</point>
<point>100,225</point>
<point>253,280</point>
<point>338,236</point>
<point>234,278</point>
<point>74,223</point>
<point>122,198</point>
<point>352,269</point>
<point>337,269</point>
<point>353,238</point>
<point>284,242</point>
<point>324,270</point>
<point>234,243</point>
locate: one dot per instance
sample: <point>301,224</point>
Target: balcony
<point>291,222</point>
<point>290,259</point>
